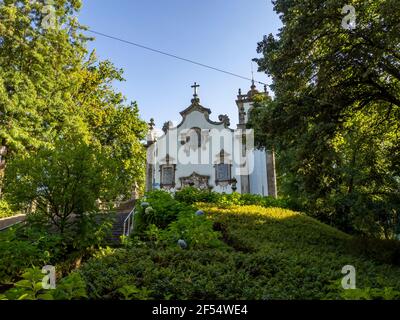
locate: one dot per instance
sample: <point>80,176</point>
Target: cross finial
<point>195,87</point>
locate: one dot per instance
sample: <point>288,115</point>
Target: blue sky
<point>220,33</point>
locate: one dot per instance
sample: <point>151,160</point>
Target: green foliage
<point>154,235</point>
<point>72,287</point>
<point>387,293</point>
<point>17,254</point>
<point>269,253</point>
<point>53,91</point>
<point>192,195</point>
<point>371,294</point>
<point>36,244</point>
<point>61,182</point>
<point>197,231</point>
<point>131,292</point>
<point>92,231</point>
<point>334,122</point>
<point>385,251</point>
<point>5,210</point>
<point>31,288</point>
<point>162,211</point>
<point>66,180</point>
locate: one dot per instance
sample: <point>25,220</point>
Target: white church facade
<point>208,154</point>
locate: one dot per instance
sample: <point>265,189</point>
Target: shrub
<point>191,195</point>
<point>72,287</point>
<point>131,292</point>
<point>31,287</point>
<point>5,209</point>
<point>17,255</point>
<point>385,251</point>
<point>162,210</point>
<point>270,253</point>
<point>38,244</point>
<point>196,231</point>
<point>371,294</point>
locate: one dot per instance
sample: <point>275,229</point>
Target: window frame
<point>229,173</point>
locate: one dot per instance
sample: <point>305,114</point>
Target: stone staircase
<point>118,228</point>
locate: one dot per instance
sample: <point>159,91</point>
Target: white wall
<point>258,179</point>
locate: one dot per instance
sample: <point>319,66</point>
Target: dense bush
<point>17,255</point>
<point>38,244</point>
<point>269,253</point>
<point>31,287</point>
<point>196,231</point>
<point>158,208</point>
<point>5,209</point>
<point>386,251</point>
<point>192,195</point>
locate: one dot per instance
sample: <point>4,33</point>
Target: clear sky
<point>220,33</point>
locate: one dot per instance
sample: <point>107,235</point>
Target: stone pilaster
<point>271,175</point>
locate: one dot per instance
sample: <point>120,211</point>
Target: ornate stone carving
<point>225,120</point>
<point>151,124</point>
<point>167,125</point>
<point>195,180</point>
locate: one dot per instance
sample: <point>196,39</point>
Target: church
<point>208,154</point>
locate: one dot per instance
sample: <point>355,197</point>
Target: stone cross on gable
<point>195,87</point>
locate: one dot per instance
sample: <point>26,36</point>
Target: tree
<point>335,118</point>
<point>63,182</point>
<point>52,90</point>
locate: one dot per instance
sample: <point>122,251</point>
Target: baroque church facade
<point>208,154</point>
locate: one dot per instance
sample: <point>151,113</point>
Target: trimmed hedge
<point>192,195</point>
<point>263,253</point>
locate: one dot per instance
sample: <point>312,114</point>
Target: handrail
<point>128,224</point>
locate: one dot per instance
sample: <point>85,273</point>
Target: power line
<point>172,56</point>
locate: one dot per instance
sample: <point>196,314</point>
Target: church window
<point>167,172</point>
<point>223,172</point>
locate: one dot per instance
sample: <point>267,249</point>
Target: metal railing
<point>128,224</point>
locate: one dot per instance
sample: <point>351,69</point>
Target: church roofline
<point>196,106</point>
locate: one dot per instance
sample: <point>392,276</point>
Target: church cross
<point>195,87</point>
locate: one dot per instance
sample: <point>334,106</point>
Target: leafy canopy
<point>334,121</point>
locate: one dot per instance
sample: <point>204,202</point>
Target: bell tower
<point>245,103</point>
<point>150,155</point>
